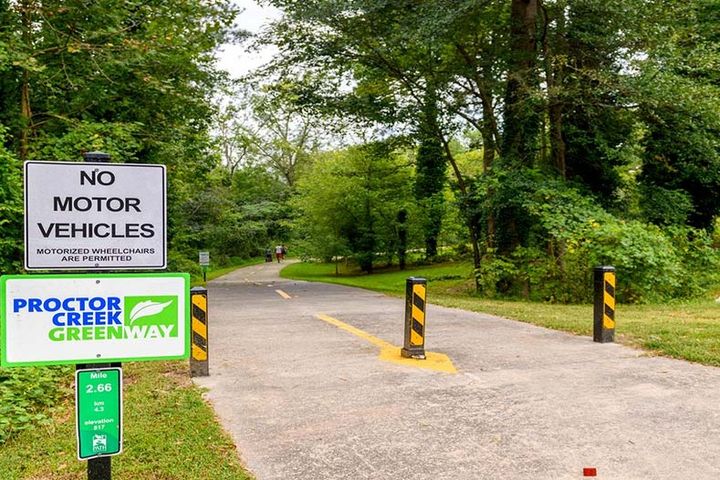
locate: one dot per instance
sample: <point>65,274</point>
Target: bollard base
<point>604,336</point>
<point>199,369</point>
<point>416,353</point>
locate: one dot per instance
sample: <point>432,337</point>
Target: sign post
<point>204,263</point>
<point>90,217</point>
<point>98,412</point>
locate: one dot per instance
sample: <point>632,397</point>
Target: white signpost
<point>204,258</point>
<point>84,216</point>
<point>55,319</point>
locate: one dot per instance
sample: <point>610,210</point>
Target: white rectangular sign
<point>94,216</point>
<point>55,319</point>
<point>205,258</point>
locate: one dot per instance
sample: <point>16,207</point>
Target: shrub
<point>27,396</point>
<point>570,234</point>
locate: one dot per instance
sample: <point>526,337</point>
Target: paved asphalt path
<point>306,399</point>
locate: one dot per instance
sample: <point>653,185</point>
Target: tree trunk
<point>431,168</point>
<point>557,144</point>
<point>488,136</point>
<point>554,73</point>
<point>25,110</point>
<point>402,238</point>
<point>472,226</point>
<point>489,147</point>
<point>521,119</point>
<point>25,116</point>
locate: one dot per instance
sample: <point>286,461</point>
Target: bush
<point>27,396</point>
<point>570,235</point>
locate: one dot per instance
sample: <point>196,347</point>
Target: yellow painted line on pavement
<point>378,342</point>
<point>390,353</point>
<point>283,294</point>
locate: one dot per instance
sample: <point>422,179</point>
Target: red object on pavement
<point>590,472</point>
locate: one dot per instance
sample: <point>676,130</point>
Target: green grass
<point>389,280</point>
<point>215,272</point>
<point>688,330</point>
<point>36,407</point>
<point>169,433</point>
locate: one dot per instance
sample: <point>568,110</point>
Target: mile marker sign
<point>84,216</point>
<point>98,412</point>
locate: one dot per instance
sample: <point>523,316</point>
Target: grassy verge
<point>170,433</point>
<point>689,330</point>
<point>215,272</point>
<point>37,440</point>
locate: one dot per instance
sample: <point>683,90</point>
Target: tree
<point>269,129</point>
<point>351,200</point>
<point>521,123</point>
<point>132,79</point>
<point>143,71</point>
<point>680,107</point>
<point>393,54</point>
<point>431,172</point>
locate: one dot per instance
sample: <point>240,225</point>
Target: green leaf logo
<point>147,309</point>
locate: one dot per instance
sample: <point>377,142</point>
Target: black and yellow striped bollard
<point>415,296</point>
<point>604,314</point>
<point>199,365</point>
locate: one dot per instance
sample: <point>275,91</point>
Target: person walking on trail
<point>279,250</point>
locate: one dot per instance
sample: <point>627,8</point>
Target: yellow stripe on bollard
<point>609,300</point>
<point>199,328</point>
<point>199,354</point>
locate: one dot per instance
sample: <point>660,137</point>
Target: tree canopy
<point>538,137</point>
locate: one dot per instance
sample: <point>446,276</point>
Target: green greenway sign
<point>98,415</point>
<point>55,319</point>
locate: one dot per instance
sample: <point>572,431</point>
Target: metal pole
<point>415,296</point>
<point>98,468</point>
<point>604,305</point>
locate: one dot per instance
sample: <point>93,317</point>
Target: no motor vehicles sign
<point>94,216</point>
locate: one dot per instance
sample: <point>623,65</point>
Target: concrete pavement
<point>307,399</point>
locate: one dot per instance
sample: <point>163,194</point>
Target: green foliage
<point>569,235</point>
<point>348,204</point>
<point>11,210</point>
<point>160,403</point>
<point>683,153</point>
<point>681,107</point>
<point>28,397</point>
<point>118,139</point>
<point>663,206</point>
<point>230,215</point>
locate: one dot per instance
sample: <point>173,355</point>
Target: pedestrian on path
<point>279,251</point>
